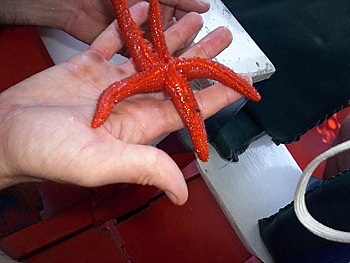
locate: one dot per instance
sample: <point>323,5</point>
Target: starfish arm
<point>138,47</point>
<point>159,71</point>
<point>156,31</point>
<point>186,105</point>
<point>193,68</point>
<point>143,82</point>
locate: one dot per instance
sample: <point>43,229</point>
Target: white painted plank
<point>243,55</point>
<point>263,181</point>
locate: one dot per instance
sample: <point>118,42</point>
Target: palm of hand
<point>47,118</point>
<point>60,112</point>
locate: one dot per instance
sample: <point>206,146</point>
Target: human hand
<point>92,17</point>
<point>84,19</point>
<point>45,120</point>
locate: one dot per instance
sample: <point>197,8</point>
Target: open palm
<point>45,120</point>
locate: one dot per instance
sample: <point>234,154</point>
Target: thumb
<point>147,165</point>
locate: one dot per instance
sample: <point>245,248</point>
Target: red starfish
<point>158,70</point>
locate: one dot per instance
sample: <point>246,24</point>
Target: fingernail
<point>204,3</point>
<point>172,197</point>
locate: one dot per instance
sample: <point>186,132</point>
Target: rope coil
<point>300,208</point>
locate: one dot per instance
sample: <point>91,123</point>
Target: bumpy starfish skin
<point>158,71</point>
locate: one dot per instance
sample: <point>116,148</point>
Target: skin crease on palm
<point>46,118</point>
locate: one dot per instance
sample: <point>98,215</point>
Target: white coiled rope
<point>299,199</point>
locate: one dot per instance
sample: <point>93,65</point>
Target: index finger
<point>211,45</point>
<point>110,40</point>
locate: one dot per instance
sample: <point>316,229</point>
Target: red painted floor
<point>316,141</point>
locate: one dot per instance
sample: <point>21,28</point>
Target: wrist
<point>9,168</point>
<point>5,174</point>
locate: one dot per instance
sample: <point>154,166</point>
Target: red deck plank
<point>93,245</point>
<point>22,54</point>
<point>195,232</point>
